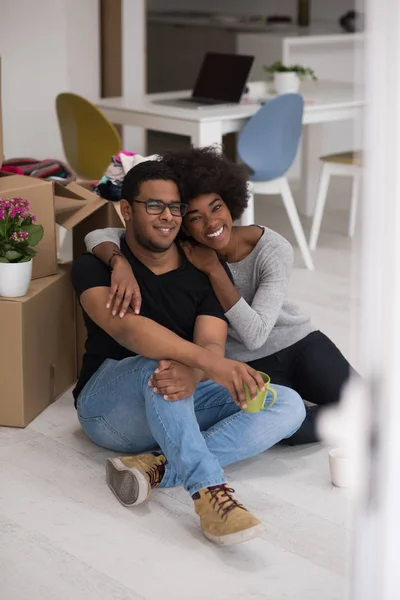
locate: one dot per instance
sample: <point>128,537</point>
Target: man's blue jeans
<point>199,435</point>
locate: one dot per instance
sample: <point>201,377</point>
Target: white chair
<point>345,164</point>
<point>280,187</point>
<point>268,144</point>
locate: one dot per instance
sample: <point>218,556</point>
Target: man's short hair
<point>149,170</point>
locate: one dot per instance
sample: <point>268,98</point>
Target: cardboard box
<point>79,211</point>
<point>73,209</point>
<point>41,197</point>
<point>38,348</point>
<point>76,211</point>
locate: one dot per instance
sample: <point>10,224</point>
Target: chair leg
<point>354,202</point>
<point>247,217</point>
<point>296,224</point>
<point>319,206</point>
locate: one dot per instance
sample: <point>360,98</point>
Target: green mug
<point>254,406</point>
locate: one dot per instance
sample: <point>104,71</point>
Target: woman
<point>266,330</point>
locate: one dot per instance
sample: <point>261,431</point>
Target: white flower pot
<point>286,83</point>
<point>15,279</point>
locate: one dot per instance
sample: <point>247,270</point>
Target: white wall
<point>47,47</point>
<point>321,9</point>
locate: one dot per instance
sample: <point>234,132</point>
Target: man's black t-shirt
<point>174,300</point>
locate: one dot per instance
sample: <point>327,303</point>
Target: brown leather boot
<point>223,520</point>
<point>131,478</point>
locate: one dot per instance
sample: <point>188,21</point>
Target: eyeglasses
<point>157,207</point>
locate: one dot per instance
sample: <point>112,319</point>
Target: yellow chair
<point>88,137</point>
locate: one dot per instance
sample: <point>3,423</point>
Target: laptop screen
<point>222,77</point>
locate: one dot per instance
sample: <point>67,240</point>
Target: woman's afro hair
<point>207,171</point>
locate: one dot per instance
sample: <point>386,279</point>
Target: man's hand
<point>233,375</point>
<point>174,380</point>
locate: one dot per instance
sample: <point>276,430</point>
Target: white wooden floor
<point>64,536</point>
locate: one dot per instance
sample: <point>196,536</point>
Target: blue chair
<point>268,145</point>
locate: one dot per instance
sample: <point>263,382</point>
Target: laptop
<point>221,81</point>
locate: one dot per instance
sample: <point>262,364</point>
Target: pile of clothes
<point>109,186</point>
<point>50,168</point>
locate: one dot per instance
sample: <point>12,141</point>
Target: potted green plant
<point>287,78</point>
<point>18,233</point>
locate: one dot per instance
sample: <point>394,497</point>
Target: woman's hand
<point>124,289</point>
<point>234,375</point>
<point>173,380</point>
<point>203,258</point>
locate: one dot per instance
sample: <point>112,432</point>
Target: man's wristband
<point>114,253</point>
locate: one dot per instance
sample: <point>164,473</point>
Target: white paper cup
<point>340,467</point>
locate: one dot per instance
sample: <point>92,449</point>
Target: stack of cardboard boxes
<point>42,334</point>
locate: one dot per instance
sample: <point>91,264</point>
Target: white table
<point>325,102</point>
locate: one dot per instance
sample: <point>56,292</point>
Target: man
<point>182,404</point>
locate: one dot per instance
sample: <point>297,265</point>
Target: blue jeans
<point>198,435</point>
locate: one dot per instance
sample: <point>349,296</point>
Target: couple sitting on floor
<point>155,381</point>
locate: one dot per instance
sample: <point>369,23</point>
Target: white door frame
<point>376,566</point>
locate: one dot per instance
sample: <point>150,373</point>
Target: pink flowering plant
<point>18,231</point>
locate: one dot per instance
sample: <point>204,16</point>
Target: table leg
<point>310,168</point>
<point>206,134</point>
<point>247,217</point>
